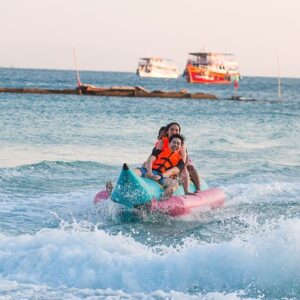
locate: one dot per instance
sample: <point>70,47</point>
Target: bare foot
<point>109,187</point>
<point>190,193</point>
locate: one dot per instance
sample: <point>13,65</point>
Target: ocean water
<point>57,152</point>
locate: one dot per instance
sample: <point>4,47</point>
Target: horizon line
<point>87,70</point>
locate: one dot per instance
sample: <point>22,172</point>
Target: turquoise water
<point>57,151</point>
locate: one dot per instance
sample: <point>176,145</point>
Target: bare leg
<point>109,187</point>
<point>171,185</point>
<point>194,177</point>
<point>184,177</point>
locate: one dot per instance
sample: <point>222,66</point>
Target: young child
<point>162,133</point>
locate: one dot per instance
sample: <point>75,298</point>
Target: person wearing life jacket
<point>189,170</point>
<point>163,165</point>
<point>162,134</point>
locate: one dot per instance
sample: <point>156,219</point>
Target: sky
<point>111,35</point>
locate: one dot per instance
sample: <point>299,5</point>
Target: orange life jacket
<point>166,160</point>
<point>165,143</point>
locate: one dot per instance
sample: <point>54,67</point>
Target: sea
<point>58,151</point>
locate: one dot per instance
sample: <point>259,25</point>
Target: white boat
<point>157,67</point>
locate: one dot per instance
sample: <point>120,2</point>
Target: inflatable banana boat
<point>132,190</point>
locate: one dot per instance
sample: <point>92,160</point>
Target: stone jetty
<point>114,91</point>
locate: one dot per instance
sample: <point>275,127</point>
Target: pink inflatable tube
<point>102,195</point>
<point>180,205</point>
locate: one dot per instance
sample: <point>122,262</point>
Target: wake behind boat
<point>131,191</point>
<point>213,68</point>
<point>156,67</point>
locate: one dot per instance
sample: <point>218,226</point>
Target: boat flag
<point>236,84</point>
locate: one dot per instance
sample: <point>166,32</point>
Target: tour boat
<point>211,68</point>
<point>132,191</point>
<point>157,67</point>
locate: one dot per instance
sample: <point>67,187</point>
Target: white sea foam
<point>83,258</point>
<point>259,190</point>
<point>14,290</point>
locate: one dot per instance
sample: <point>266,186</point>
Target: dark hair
<point>173,123</point>
<point>178,136</point>
<point>163,128</point>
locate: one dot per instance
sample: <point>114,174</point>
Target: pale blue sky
<point>110,35</point>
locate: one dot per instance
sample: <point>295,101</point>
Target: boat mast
<point>278,75</point>
<point>79,84</point>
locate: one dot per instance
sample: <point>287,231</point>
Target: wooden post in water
<point>236,86</point>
